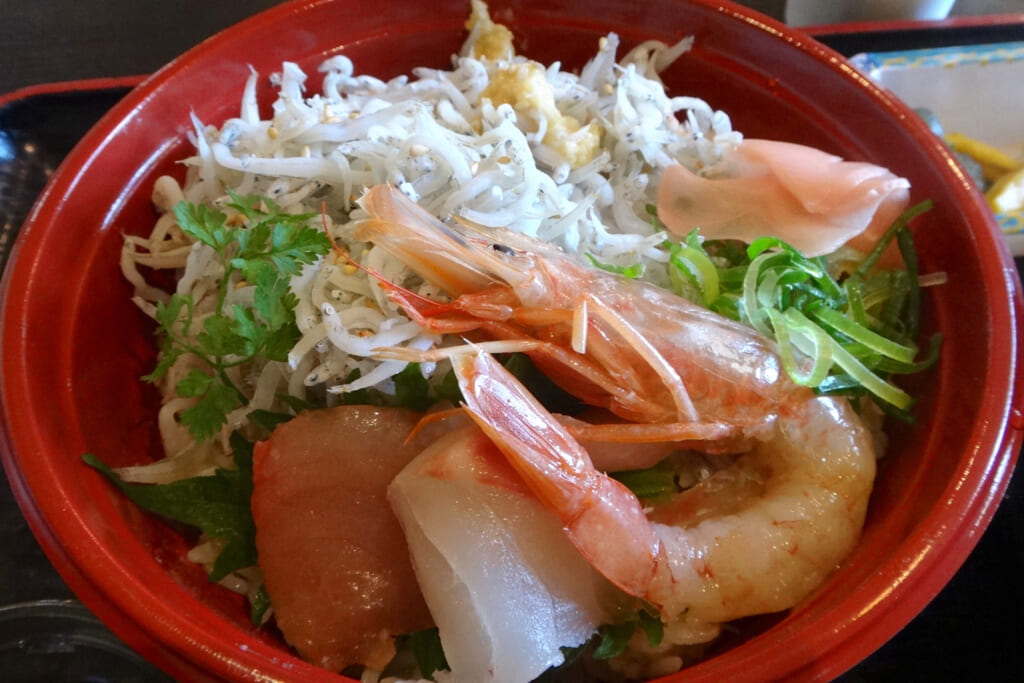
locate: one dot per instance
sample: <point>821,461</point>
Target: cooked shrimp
<point>650,356</point>
<point>756,537</point>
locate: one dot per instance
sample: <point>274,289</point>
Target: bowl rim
<point>177,645</point>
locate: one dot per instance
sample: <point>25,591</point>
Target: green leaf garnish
<point>268,419</point>
<point>632,271</point>
<point>692,267</point>
<point>652,626</point>
<point>614,638</point>
<point>217,505</point>
<point>412,390</point>
<point>425,646</point>
<point>653,483</point>
<point>263,253</point>
<point>258,606</point>
<point>449,389</point>
<point>845,333</point>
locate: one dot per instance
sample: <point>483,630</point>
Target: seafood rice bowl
<point>551,347</point>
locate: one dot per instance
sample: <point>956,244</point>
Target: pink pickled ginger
<point>813,200</point>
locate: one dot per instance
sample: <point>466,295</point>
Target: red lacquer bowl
<point>74,347</point>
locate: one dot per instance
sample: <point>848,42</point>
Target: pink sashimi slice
<point>813,200</point>
<point>334,559</point>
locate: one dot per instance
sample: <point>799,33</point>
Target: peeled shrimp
<point>641,352</point>
<point>756,537</point>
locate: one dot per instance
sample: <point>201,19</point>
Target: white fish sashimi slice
<point>505,586</point>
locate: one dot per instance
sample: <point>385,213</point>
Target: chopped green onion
<point>651,483</point>
<point>862,335</point>
<point>884,390</point>
<point>840,383</point>
<point>883,243</point>
<point>905,241</point>
<point>837,333</point>
<point>632,271</point>
<point>752,308</point>
<point>931,356</point>
<point>695,263</point>
<point>855,301</point>
<point>790,327</point>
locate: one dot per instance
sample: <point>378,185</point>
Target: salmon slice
<point>334,559</point>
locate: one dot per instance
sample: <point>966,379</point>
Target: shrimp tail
<point>616,539</point>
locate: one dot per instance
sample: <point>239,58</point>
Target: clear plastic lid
<point>61,641</point>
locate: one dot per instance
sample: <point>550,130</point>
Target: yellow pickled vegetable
<point>994,162</point>
<point>1007,194</point>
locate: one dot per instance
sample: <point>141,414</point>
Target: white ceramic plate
<point>971,89</point>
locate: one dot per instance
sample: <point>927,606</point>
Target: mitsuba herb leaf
<point>205,418</point>
<point>217,505</point>
<point>283,246</point>
<point>273,300</point>
<point>260,209</point>
<point>178,310</point>
<point>263,250</point>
